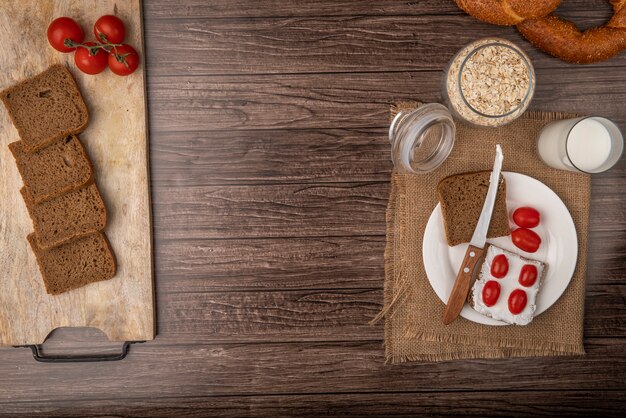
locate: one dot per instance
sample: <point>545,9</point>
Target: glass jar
<point>421,139</point>
<point>489,82</point>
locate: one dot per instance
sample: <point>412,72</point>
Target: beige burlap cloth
<point>412,311</point>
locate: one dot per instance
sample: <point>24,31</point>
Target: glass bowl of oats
<point>489,82</point>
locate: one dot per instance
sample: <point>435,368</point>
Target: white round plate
<point>559,245</point>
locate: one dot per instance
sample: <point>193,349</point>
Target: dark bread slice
<point>46,107</point>
<point>75,264</point>
<point>55,170</point>
<point>67,217</point>
<point>462,197</point>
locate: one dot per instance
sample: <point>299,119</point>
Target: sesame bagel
<point>552,34</point>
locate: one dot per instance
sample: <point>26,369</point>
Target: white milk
<point>589,145</point>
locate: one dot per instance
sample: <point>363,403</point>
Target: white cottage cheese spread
<point>508,283</point>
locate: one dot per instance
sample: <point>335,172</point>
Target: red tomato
<point>91,60</point>
<point>491,293</point>
<point>526,217</point>
<point>528,275</point>
<point>64,29</point>
<point>109,29</point>
<point>526,240</point>
<point>499,266</point>
<point>123,60</point>
<point>517,301</point>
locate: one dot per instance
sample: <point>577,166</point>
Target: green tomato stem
<point>93,49</point>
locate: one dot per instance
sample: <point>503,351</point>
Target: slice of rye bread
<point>54,170</point>
<point>462,197</point>
<point>75,264</point>
<point>67,217</point>
<point>46,107</point>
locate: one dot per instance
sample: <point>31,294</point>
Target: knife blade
<point>476,247</point>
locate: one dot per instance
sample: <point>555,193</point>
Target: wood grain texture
<point>528,403</point>
<point>289,210</point>
<point>341,101</point>
<point>281,316</point>
<point>307,210</point>
<point>270,263</point>
<point>272,156</point>
<point>155,370</point>
<point>324,315</point>
<point>254,157</point>
<point>350,43</point>
<point>116,140</point>
<point>188,265</point>
<point>270,164</point>
<point>291,8</point>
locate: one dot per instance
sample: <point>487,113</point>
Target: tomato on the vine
<point>65,35</point>
<point>123,60</point>
<point>109,29</point>
<point>91,60</point>
<point>64,31</point>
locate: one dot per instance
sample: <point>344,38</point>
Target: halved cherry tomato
<point>109,28</point>
<point>91,60</point>
<point>491,293</point>
<point>528,275</point>
<point>123,60</point>
<point>526,240</point>
<point>499,266</point>
<point>64,29</point>
<point>526,217</point>
<point>517,301</point>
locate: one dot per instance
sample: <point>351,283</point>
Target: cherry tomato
<point>62,29</point>
<point>491,293</point>
<point>528,275</point>
<point>499,266</point>
<point>123,60</point>
<point>517,301</point>
<point>91,60</point>
<point>526,240</point>
<point>109,29</point>
<point>526,217</point>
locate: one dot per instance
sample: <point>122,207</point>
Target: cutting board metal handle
<point>40,356</point>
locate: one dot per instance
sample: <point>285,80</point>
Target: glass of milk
<point>589,144</point>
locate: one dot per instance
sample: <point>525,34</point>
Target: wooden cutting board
<point>117,142</point>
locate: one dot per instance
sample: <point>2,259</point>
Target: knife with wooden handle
<point>476,248</point>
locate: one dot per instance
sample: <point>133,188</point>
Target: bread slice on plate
<point>66,217</point>
<point>46,107</point>
<point>507,284</point>
<point>75,264</point>
<point>54,170</point>
<point>462,197</point>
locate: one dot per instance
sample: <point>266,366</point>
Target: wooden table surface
<point>270,174</point>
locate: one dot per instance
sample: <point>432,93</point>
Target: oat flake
<point>495,81</point>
